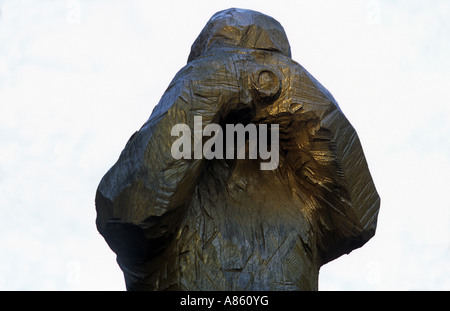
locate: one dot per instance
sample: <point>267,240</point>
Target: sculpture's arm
<point>344,193</point>
<point>142,198</point>
<point>349,217</point>
<point>323,150</point>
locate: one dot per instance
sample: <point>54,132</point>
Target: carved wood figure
<point>180,215</point>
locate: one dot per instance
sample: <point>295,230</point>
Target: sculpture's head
<point>241,28</point>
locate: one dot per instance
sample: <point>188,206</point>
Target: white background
<point>77,78</point>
